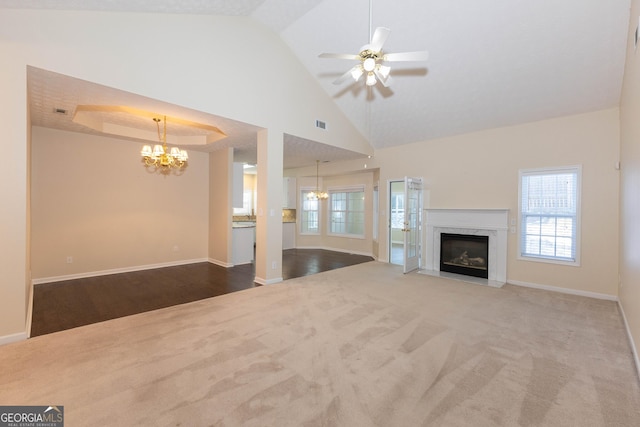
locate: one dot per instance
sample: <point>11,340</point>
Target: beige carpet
<point>358,346</point>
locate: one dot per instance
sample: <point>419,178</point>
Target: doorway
<point>405,223</point>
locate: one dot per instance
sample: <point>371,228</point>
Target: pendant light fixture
<point>161,157</point>
<point>317,195</point>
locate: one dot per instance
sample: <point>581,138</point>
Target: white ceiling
<point>491,64</point>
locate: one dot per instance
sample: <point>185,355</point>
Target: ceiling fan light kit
<point>371,59</point>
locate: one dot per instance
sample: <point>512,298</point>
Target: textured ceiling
<point>51,92</point>
<point>491,64</point>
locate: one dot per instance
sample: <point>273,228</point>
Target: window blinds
<point>549,213</point>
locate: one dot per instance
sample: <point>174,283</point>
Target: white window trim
<point>552,170</point>
<point>345,189</point>
<point>306,189</point>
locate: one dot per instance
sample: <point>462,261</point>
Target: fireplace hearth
<point>464,254</point>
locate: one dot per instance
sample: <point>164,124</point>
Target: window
<point>309,221</point>
<point>397,209</point>
<point>346,212</point>
<point>549,214</point>
<point>247,203</point>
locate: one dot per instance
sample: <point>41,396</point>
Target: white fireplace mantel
<point>479,222</point>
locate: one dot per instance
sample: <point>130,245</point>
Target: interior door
<point>396,222</point>
<point>412,223</point>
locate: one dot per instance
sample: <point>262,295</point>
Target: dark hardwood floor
<point>72,303</point>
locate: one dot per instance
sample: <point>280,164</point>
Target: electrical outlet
<point>69,259</point>
<point>274,265</point>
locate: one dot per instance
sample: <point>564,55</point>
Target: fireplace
<point>492,224</point>
<point>464,254</point>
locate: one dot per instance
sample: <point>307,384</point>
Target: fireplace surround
<point>492,223</point>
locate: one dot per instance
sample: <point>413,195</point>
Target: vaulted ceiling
<point>491,64</point>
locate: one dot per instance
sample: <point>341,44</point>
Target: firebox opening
<point>465,254</point>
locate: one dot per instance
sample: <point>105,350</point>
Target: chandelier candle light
<point>317,195</point>
<point>160,156</point>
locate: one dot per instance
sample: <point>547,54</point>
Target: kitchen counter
<point>249,224</point>
<point>243,224</point>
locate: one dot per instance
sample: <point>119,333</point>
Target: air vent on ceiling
<point>320,124</point>
<point>60,111</point>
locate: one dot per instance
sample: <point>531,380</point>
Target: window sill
<point>347,236</point>
<point>544,260</point>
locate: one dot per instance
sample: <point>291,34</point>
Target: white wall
<point>92,199</point>
<point>630,184</point>
<point>208,63</point>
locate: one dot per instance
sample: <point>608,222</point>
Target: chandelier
<point>160,157</point>
<point>317,195</point>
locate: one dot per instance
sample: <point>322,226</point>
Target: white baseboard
<point>261,281</point>
<point>220,263</point>
<point>564,290</point>
<point>115,271</point>
<point>29,312</point>
<point>8,339</point>
<point>634,350</point>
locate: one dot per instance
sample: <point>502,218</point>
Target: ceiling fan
<point>371,59</point>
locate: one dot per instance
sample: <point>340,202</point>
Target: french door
<point>412,223</point>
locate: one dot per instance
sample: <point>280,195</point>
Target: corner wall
<point>629,289</point>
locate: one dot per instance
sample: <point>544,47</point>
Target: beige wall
<point>14,283</point>
<point>268,262</point>
<point>28,286</point>
<point>154,55</point>
<point>49,40</point>
<point>220,206</point>
<point>362,246</point>
<point>92,199</point>
<point>630,184</point>
<point>480,170</point>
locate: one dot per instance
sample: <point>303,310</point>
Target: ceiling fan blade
<point>379,37</point>
<point>386,81</point>
<point>422,55</point>
<point>355,73</point>
<point>339,56</point>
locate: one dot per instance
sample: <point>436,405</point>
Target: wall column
<point>269,214</point>
<point>15,284</point>
<point>220,210</point>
